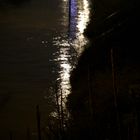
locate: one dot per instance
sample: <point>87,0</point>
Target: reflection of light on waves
<point>65,75</point>
<point>77,44</point>
<point>83,19</point>
<point>65,67</point>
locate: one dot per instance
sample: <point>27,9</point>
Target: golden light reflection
<point>81,21</point>
<point>63,60</point>
<point>74,41</point>
<point>83,15</point>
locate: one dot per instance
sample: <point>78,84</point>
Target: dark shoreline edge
<point>91,102</point>
<point>117,28</point>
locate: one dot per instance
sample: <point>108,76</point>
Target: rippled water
<point>40,43</point>
<point>71,45</point>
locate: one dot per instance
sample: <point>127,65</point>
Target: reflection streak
<point>83,16</point>
<point>79,17</point>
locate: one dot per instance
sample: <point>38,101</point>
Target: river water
<point>40,43</point>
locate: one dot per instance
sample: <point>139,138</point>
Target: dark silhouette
<point>98,111</point>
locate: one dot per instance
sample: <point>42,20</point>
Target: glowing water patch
<point>71,45</point>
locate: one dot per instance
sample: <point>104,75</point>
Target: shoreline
<point>92,98</point>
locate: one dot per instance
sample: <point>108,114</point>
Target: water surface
<point>40,42</point>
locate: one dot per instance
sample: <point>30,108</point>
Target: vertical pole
<point>69,17</point>
<point>59,126</point>
<point>90,98</point>
<point>11,135</point>
<point>58,106</point>
<point>114,78</point>
<point>28,134</point>
<point>135,113</point>
<point>90,93</point>
<point>62,113</point>
<point>62,116</point>
<point>38,122</point>
<point>69,10</point>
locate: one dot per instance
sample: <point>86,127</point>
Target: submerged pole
<point>69,10</point>
<point>115,90</point>
<point>38,122</point>
<point>69,18</point>
<point>11,135</point>
<point>28,134</point>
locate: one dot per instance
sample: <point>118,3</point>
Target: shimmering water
<point>40,42</point>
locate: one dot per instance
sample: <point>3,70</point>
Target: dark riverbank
<point>100,110</point>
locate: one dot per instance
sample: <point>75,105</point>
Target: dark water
<point>39,46</point>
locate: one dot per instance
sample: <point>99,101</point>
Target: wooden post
<point>28,134</point>
<point>90,100</point>
<point>135,116</point>
<point>59,125</point>
<point>69,10</point>
<point>69,24</point>
<point>11,135</point>
<point>62,116</point>
<point>115,90</point>
<point>58,105</point>
<point>114,78</point>
<point>62,113</point>
<point>90,93</point>
<point>38,122</point>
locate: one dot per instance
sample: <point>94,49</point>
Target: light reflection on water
<point>31,37</point>
<point>72,45</point>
